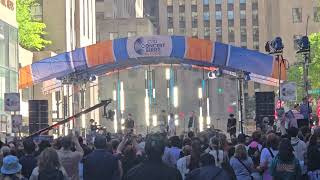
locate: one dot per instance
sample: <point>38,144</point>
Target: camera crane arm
<point>102,103</point>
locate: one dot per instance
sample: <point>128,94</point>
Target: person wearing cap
<point>11,168</point>
<point>153,168</point>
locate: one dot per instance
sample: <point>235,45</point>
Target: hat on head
<point>10,165</point>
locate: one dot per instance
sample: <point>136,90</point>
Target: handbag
<point>246,168</point>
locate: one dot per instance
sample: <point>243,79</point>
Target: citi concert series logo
<point>151,47</point>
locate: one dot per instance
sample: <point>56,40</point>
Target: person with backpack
<point>208,170</point>
<point>216,152</point>
<point>49,167</point>
<point>285,166</point>
<point>267,154</point>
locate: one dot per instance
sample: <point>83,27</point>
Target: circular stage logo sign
<point>148,47</point>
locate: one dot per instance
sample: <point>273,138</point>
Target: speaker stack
<point>38,115</point>
<point>265,106</point>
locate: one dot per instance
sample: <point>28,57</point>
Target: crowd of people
<point>208,155</point>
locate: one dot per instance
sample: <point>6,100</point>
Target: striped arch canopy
<point>122,53</point>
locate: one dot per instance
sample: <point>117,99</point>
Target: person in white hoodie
<point>299,147</point>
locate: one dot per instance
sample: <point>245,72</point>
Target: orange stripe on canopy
<point>275,72</point>
<point>100,53</point>
<point>25,77</point>
<point>199,50</point>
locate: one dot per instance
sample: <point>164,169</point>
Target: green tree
<point>30,32</point>
<point>295,73</point>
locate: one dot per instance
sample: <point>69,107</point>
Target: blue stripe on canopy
<point>250,61</point>
<point>178,46</point>
<point>50,68</point>
<point>220,54</point>
<point>79,59</point>
<point>120,49</point>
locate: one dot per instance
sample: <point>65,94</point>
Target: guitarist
<point>232,126</point>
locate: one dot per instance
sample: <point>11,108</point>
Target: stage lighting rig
<point>303,44</point>
<point>274,46</point>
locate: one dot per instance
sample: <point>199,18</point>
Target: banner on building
<point>288,91</point>
<point>16,123</point>
<point>149,46</point>
<point>11,101</point>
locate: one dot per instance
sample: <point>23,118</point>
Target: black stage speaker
<point>38,115</point>
<point>265,106</point>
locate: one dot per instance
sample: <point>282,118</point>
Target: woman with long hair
<point>191,162</point>
<point>285,166</point>
<point>313,158</point>
<point>49,167</point>
<point>216,151</point>
<point>241,163</point>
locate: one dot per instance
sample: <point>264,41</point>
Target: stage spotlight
<point>92,78</point>
<point>303,44</point>
<point>274,46</point>
<point>211,75</point>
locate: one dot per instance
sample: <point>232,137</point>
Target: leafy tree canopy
<point>30,31</point>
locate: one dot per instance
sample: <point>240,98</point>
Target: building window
<point>206,23</point>
<point>181,16</point>
<point>193,2</point>
<point>170,31</point>
<point>207,32</point>
<point>182,24</point>
<point>194,8</point>
<point>231,34</point>
<point>230,5</point>
<point>243,35</point>
<point>182,31</point>
<point>218,15</point>
<point>296,37</point>
<point>195,32</point>
<point>218,1</point>
<point>256,45</point>
<point>205,2</point>
<point>170,16</point>
<point>36,11</point>
<point>219,34</point>
<point>255,33</point>
<point>181,2</point>
<point>316,14</point>
<point>243,1</point>
<point>113,35</point>
<point>255,18</point>
<point>181,9</point>
<point>254,4</point>
<point>131,34</point>
<point>230,15</point>
<point>297,15</point>
<point>100,15</point>
<point>169,3</point>
<point>242,14</point>
<point>206,16</point>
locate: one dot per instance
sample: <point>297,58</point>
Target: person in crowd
<point>49,167</point>
<point>241,139</point>
<point>172,126</point>
<point>256,138</point>
<point>86,149</point>
<point>11,169</point>
<point>208,170</point>
<point>267,154</point>
<point>28,160</point>
<point>114,144</point>
<point>153,168</point>
<point>305,109</point>
<point>232,126</point>
<point>285,166</point>
<point>241,163</point>
<point>299,147</point>
<point>129,153</point>
<point>129,124</point>
<point>70,160</point>
<point>192,124</point>
<point>101,164</point>
<point>191,162</point>
<point>42,146</point>
<point>186,147</point>
<point>313,158</point>
<point>216,151</point>
<point>172,154</point>
<point>163,121</point>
